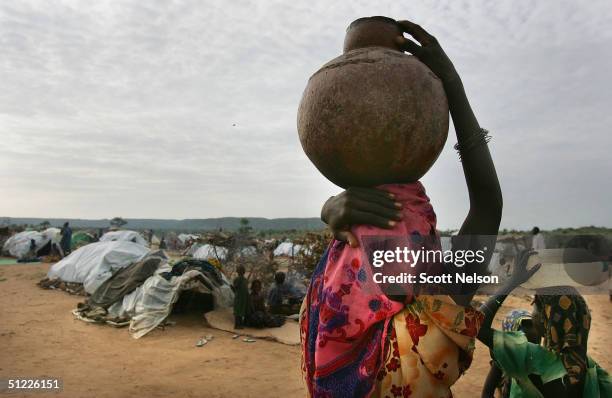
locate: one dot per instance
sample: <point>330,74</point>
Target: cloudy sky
<point>187,109</point>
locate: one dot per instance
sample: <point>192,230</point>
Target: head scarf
<point>512,321</point>
<point>567,321</point>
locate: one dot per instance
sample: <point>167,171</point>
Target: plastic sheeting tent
<point>184,238</point>
<point>247,251</point>
<point>93,264</point>
<point>18,245</point>
<point>128,236</point>
<point>207,251</point>
<point>152,302</point>
<point>81,238</point>
<point>288,249</point>
<point>192,249</point>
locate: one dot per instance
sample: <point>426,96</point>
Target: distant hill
<point>204,224</point>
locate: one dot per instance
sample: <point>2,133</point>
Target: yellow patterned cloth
<point>567,321</point>
<point>431,342</point>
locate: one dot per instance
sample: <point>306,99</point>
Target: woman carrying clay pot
<point>358,341</point>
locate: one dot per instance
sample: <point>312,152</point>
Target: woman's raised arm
<point>482,183</point>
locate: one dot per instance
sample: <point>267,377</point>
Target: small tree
<point>118,222</point>
<point>245,228</point>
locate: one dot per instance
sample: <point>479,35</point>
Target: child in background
<point>241,297</point>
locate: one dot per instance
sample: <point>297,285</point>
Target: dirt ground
<point>40,337</point>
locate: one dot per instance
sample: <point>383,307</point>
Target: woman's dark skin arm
<point>492,381</point>
<point>480,175</point>
<point>480,227</point>
<point>520,275</point>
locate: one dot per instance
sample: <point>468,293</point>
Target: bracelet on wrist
<point>480,137</point>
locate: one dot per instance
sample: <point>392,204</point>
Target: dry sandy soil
<point>39,336</point>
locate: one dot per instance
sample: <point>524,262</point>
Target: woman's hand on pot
<point>360,206</point>
<point>429,51</point>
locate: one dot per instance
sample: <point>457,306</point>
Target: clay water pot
<point>375,114</point>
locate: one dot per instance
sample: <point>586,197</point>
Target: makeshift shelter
<point>93,264</point>
<point>184,239</point>
<point>247,251</point>
<point>146,306</point>
<point>288,249</point>
<point>81,238</point>
<point>18,245</point>
<point>124,235</point>
<point>155,240</point>
<point>127,279</point>
<point>204,252</point>
<point>172,241</point>
<point>192,249</point>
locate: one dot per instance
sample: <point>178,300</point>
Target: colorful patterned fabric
<point>346,317</point>
<point>432,341</point>
<point>567,321</point>
<point>512,321</point>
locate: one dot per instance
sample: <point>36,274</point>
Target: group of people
<point>359,341</point>
<point>253,309</point>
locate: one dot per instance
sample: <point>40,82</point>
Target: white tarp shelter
<point>128,236</point>
<point>18,245</point>
<point>152,302</point>
<point>184,238</point>
<point>93,264</point>
<point>247,251</point>
<point>207,251</point>
<point>193,248</point>
<point>287,249</point>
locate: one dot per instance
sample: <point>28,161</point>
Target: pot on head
<point>373,115</point>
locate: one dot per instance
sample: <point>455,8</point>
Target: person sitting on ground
<point>257,315</point>
<point>257,301</point>
<point>241,297</point>
<point>281,299</point>
<point>560,367</point>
